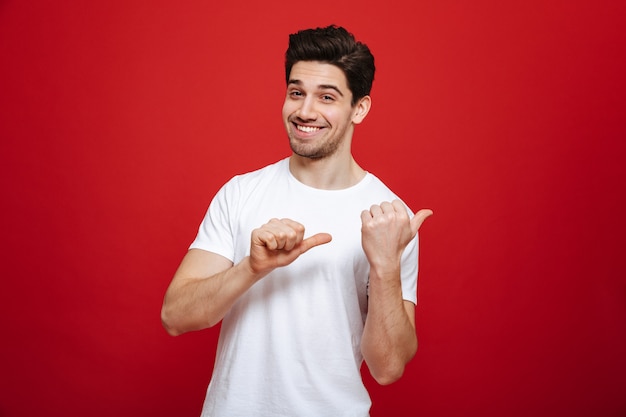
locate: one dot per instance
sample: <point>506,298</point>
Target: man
<point>302,308</point>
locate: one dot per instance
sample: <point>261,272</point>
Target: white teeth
<point>307,129</point>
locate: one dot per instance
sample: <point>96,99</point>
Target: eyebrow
<point>320,87</point>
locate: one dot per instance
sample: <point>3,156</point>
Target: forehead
<point>314,73</point>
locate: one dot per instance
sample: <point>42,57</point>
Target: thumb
<point>419,218</point>
<point>315,240</point>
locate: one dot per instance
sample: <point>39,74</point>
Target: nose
<point>307,109</point>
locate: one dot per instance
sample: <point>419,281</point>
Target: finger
<point>376,210</point>
<point>418,219</point>
<point>292,224</point>
<point>275,237</point>
<point>315,240</point>
<point>294,233</point>
<point>401,210</point>
<point>285,232</point>
<point>387,207</point>
<point>366,217</point>
<point>265,238</point>
<point>399,206</point>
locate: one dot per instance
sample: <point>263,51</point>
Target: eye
<point>295,94</point>
<point>327,98</point>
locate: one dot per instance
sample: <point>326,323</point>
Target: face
<point>318,114</point>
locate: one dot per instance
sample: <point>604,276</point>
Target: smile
<point>307,129</point>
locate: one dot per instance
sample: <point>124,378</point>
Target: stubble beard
<point>321,149</point>
<point>312,151</point>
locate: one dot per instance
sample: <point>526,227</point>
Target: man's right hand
<point>278,243</point>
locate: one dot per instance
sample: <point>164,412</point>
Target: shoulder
<point>266,173</point>
<point>245,188</point>
<point>378,190</point>
<point>253,179</point>
<point>376,186</point>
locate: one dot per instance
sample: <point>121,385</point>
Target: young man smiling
<point>302,308</point>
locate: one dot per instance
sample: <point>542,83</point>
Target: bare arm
<point>203,289</point>
<point>206,285</point>
<point>389,339</point>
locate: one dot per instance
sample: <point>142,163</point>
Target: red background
<point>119,121</point>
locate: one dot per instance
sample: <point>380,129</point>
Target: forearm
<point>389,340</point>
<point>193,303</point>
<point>206,284</point>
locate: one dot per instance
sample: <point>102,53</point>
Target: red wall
<point>120,120</point>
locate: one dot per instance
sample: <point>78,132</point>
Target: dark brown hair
<point>334,45</point>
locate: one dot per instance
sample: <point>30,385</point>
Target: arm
<point>389,340</point>
<point>202,290</point>
<point>206,285</point>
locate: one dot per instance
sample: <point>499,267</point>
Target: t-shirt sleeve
<point>409,268</point>
<point>215,232</point>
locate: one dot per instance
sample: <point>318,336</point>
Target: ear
<point>361,109</point>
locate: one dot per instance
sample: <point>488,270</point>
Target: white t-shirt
<point>290,346</point>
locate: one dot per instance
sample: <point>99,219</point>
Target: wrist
<point>250,271</point>
<point>385,273</point>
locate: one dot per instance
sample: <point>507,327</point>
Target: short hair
<point>334,45</point>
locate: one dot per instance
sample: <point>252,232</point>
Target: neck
<point>326,173</point>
